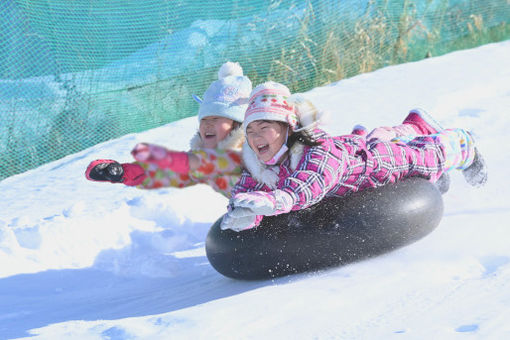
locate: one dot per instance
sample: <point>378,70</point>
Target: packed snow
<point>84,260</point>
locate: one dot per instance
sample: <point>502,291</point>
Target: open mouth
<point>262,149</point>
<point>209,135</point>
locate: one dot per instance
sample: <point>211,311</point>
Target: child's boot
<point>461,153</point>
<point>359,130</point>
<point>443,183</point>
<point>421,122</point>
<point>417,123</point>
<point>107,170</point>
<point>476,173</point>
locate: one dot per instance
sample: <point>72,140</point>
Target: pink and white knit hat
<point>270,101</point>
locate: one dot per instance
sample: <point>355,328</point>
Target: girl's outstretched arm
<point>216,167</point>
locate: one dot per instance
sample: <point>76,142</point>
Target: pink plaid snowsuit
<point>346,164</point>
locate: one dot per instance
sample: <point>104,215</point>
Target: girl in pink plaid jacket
<point>290,164</point>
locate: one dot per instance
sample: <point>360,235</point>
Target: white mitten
<point>238,223</point>
<point>263,203</point>
<point>247,208</point>
<point>258,202</point>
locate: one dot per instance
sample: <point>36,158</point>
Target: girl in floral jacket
<point>215,155</point>
<point>291,164</point>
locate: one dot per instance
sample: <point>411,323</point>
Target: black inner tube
<point>333,232</point>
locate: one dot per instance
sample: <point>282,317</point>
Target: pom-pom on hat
<point>228,96</point>
<point>270,101</point>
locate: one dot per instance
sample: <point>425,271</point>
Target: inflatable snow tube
<point>331,233</point>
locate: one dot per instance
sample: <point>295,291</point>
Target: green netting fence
<point>76,73</point>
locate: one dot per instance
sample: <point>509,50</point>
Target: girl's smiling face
<point>214,129</point>
<point>266,138</point>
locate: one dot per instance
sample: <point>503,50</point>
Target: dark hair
<point>302,136</point>
<point>235,125</point>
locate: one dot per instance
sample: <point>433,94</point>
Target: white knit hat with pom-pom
<point>228,96</point>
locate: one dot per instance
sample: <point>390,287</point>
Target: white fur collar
<point>268,174</point>
<point>234,141</point>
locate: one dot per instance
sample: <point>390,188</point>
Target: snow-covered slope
<point>100,261</point>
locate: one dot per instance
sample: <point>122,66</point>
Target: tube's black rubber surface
<point>331,233</point>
